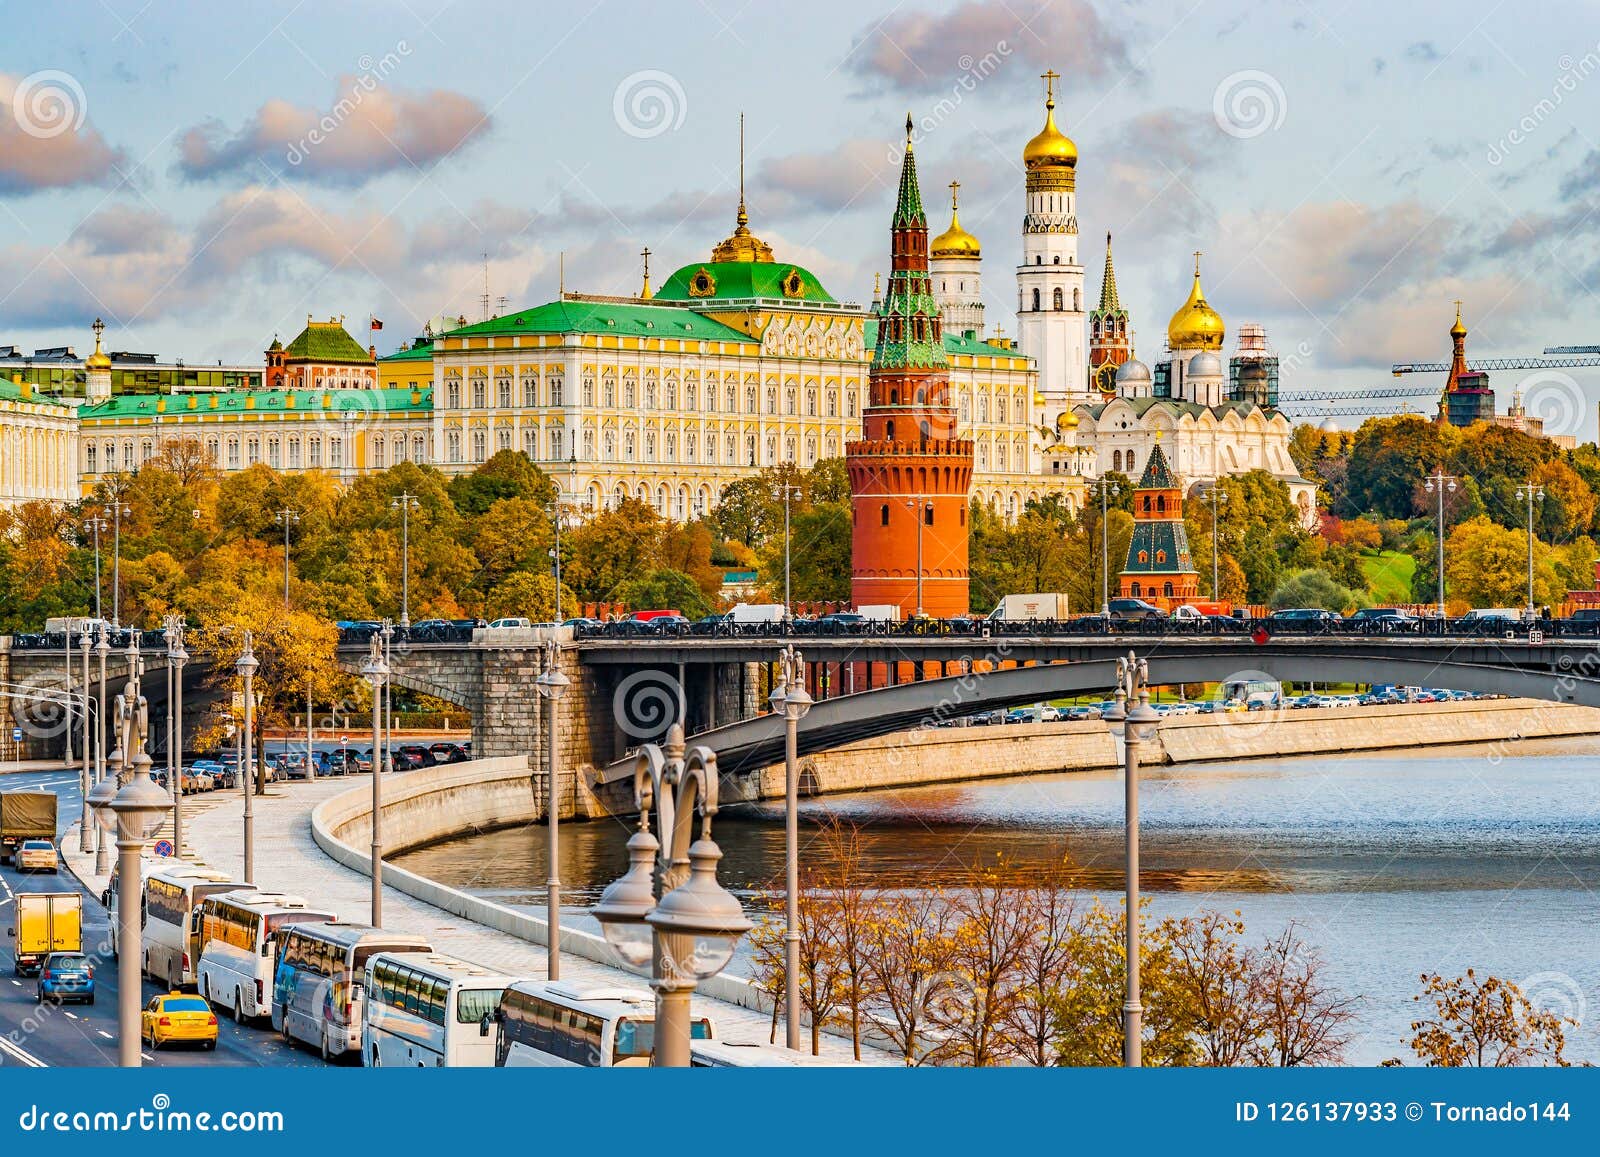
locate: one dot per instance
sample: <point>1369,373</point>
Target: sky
<point>205,176</point>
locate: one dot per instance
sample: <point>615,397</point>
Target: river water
<point>1392,865</point>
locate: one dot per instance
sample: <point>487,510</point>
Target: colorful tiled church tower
<point>1110,343</point>
<point>1159,565</point>
<point>909,473</point>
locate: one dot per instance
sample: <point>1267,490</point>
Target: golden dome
<point>1196,325</point>
<point>1458,329</point>
<point>1066,420</point>
<point>954,241</point>
<point>742,245</point>
<point>1051,146</point>
<point>97,360</point>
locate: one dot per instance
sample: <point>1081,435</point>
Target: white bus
<point>172,897</point>
<point>560,1025</point>
<point>239,933</point>
<point>317,995</point>
<point>723,1054</point>
<point>428,1010</point>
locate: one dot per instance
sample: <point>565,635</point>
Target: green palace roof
<point>737,280</point>
<point>954,343</point>
<point>327,341</point>
<point>634,319</point>
<point>388,401</point>
<point>419,352</point>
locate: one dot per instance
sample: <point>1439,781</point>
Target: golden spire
<point>1052,146</point>
<point>645,294</point>
<point>742,245</point>
<point>1196,325</point>
<point>954,241</point>
<point>97,360</point>
<point>1459,329</point>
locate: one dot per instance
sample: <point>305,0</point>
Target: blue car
<point>66,976</point>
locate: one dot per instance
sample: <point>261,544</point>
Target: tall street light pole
<point>245,668</point>
<point>1106,490</point>
<point>1134,725</point>
<point>66,707</point>
<point>1439,483</point>
<point>552,684</point>
<point>789,491</point>
<point>376,672</point>
<point>102,846</point>
<point>405,503</point>
<point>96,524</point>
<point>133,813</point>
<point>1216,496</point>
<point>555,551</point>
<point>118,510</point>
<point>1530,491</point>
<point>387,634</point>
<point>286,518</point>
<point>920,511</point>
<point>177,656</point>
<point>792,700</point>
<point>86,818</point>
<point>689,934</point>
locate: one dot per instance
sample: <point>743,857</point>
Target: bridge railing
<point>57,640</point>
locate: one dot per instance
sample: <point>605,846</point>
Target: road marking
<point>105,1034</point>
<point>18,983</point>
<point>73,1015</point>
<point>21,1054</point>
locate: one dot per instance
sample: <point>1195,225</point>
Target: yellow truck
<point>25,815</point>
<point>46,922</point>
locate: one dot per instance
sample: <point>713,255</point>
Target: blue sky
<point>1348,171</point>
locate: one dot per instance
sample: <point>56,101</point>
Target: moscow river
<point>1485,857</point>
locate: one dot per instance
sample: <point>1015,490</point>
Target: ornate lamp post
<point>788,491</point>
<point>96,523</point>
<point>386,632</point>
<point>689,933</point>
<point>1529,491</point>
<point>791,699</point>
<point>405,503</point>
<point>1133,726</point>
<point>376,672</point>
<point>1439,483</point>
<point>245,668</point>
<point>177,657</point>
<point>86,779</point>
<point>1106,490</point>
<point>286,518</point>
<point>117,512</point>
<point>133,813</point>
<point>920,511</point>
<point>552,684</point>
<point>102,846</point>
<point>66,704</point>
<point>1216,496</point>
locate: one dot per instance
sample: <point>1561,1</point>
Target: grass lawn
<point>1388,575</point>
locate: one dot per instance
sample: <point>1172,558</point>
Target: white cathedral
<point>1104,410</point>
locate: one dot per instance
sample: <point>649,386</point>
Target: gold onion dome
<point>1066,420</point>
<point>1459,329</point>
<point>1051,146</point>
<point>97,360</point>
<point>954,241</point>
<point>1196,325</point>
<point>742,245</point>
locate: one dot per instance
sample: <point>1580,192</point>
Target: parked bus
<point>239,933</point>
<point>722,1054</point>
<point>428,1010</point>
<point>317,996</point>
<point>171,903</point>
<point>559,1025</point>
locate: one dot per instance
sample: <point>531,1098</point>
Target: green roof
<point>388,401</point>
<point>633,319</point>
<point>327,341</point>
<point>954,343</point>
<point>908,201</point>
<point>11,392</point>
<point>743,279</point>
<point>419,352</point>
<point>1165,546</point>
<point>1157,474</point>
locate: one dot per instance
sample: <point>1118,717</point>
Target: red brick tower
<point>909,473</point>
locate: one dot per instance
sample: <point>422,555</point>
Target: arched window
<point>1161,503</point>
<point>1055,298</point>
<point>1144,556</point>
<point>452,395</point>
<point>1036,301</point>
<point>1077,299</point>
<point>927,514</point>
<point>1161,556</point>
<point>1134,590</point>
<point>883,515</point>
<point>1166,589</point>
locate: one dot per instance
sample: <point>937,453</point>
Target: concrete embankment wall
<point>431,804</point>
<point>953,754</point>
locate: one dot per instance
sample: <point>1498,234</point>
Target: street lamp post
<point>689,933</point>
<point>789,491</point>
<point>86,778</point>
<point>1135,725</point>
<point>791,698</point>
<point>286,518</point>
<point>245,668</point>
<point>133,813</point>
<point>376,672</point>
<point>97,524</point>
<point>387,633</point>
<point>555,551</point>
<point>552,684</point>
<point>117,512</point>
<point>920,511</point>
<point>102,845</point>
<point>1106,490</point>
<point>66,706</point>
<point>1439,483</point>
<point>177,656</point>
<point>1216,496</point>
<point>405,503</point>
<point>1529,491</point>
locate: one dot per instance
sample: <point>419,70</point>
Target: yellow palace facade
<point>736,364</point>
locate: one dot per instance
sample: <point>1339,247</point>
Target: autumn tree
<point>1213,983</point>
<point>906,954</point>
<point>1046,968</point>
<point>1302,1020</point>
<point>1487,565</point>
<point>1487,1023</point>
<point>992,931</point>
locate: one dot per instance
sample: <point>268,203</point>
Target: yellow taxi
<point>179,1018</point>
<point>38,856</point>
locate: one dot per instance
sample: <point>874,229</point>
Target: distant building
<point>1467,397</point>
<point>1159,566</point>
<point>38,446</point>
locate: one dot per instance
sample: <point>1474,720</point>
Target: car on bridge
<point>1309,619</point>
<point>1386,619</point>
<point>1134,611</point>
<point>38,856</point>
<point>179,1017</point>
<point>446,752</point>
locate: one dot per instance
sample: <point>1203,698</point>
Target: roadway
<point>86,1035</point>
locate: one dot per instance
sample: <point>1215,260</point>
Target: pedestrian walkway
<point>288,860</point>
<point>23,766</point>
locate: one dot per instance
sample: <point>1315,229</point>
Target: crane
<point>1318,396</point>
<point>1566,358</point>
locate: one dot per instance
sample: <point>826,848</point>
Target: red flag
<point>376,324</point>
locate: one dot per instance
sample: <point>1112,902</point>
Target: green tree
<point>1314,588</point>
<point>1389,458</point>
<point>662,589</point>
<point>508,474</point>
<point>528,595</point>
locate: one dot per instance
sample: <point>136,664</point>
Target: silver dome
<point>1132,371</point>
<point>1205,365</point>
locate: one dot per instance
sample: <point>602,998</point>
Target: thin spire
<point>645,293</point>
<point>908,204</point>
<point>908,130</point>
<point>742,218</point>
<point>561,276</point>
<point>1050,76</point>
<point>1196,264</point>
<point>1108,282</point>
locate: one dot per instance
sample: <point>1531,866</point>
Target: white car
<point>510,624</point>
